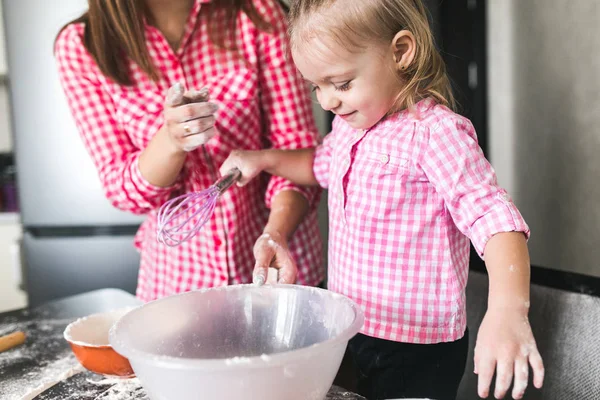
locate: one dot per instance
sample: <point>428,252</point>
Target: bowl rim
<point>66,333</point>
<point>171,362</point>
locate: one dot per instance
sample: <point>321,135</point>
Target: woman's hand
<point>189,117</point>
<point>250,163</point>
<point>271,251</point>
<point>505,343</point>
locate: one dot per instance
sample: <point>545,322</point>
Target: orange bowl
<point>88,338</point>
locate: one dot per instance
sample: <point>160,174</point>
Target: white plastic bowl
<point>280,342</point>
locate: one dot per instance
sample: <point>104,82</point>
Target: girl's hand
<point>189,117</point>
<point>250,163</point>
<point>271,250</point>
<point>505,343</point>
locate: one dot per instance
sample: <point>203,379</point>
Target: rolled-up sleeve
<point>285,99</point>
<point>455,164</point>
<point>109,146</point>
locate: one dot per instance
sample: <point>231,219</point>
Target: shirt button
<point>384,158</point>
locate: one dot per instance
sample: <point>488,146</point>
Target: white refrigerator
<point>73,239</point>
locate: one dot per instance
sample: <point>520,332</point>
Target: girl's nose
<point>328,100</point>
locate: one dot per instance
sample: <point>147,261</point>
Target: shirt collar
<point>415,111</point>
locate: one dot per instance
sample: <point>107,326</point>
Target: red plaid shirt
<point>404,199</point>
<point>263,103</point>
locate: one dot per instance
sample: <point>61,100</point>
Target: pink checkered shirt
<point>404,199</point>
<point>263,102</point>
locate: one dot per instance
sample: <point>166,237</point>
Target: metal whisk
<point>179,219</point>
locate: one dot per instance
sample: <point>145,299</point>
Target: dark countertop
<point>46,356</point>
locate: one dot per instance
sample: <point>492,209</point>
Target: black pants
<point>392,370</point>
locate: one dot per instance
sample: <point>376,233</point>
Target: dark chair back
<point>567,329</point>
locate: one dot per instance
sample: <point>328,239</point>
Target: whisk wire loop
<point>180,218</point>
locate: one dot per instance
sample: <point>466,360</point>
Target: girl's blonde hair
<point>355,24</point>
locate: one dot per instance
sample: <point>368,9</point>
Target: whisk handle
<point>228,179</point>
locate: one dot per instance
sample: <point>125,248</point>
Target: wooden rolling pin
<point>9,341</point>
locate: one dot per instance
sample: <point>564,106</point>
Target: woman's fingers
<point>177,95</point>
<point>191,111</point>
<point>189,117</point>
<point>196,126</point>
<point>184,106</point>
<point>196,96</point>
<point>174,96</point>
<point>194,141</point>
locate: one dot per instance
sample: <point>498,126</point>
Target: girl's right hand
<point>505,345</point>
<point>189,117</point>
<point>249,162</point>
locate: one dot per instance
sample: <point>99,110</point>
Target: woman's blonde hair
<point>355,24</point>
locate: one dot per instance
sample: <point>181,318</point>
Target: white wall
<point>11,297</point>
<point>5,136</point>
<point>544,99</point>
<point>501,92</point>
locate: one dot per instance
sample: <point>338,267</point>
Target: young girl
<point>408,187</point>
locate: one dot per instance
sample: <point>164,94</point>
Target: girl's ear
<point>403,48</point>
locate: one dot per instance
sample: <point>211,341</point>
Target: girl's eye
<point>344,87</point>
<point>314,88</point>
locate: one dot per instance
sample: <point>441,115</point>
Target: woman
<point>117,64</point>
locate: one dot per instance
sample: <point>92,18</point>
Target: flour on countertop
<point>121,389</point>
<point>21,372</point>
